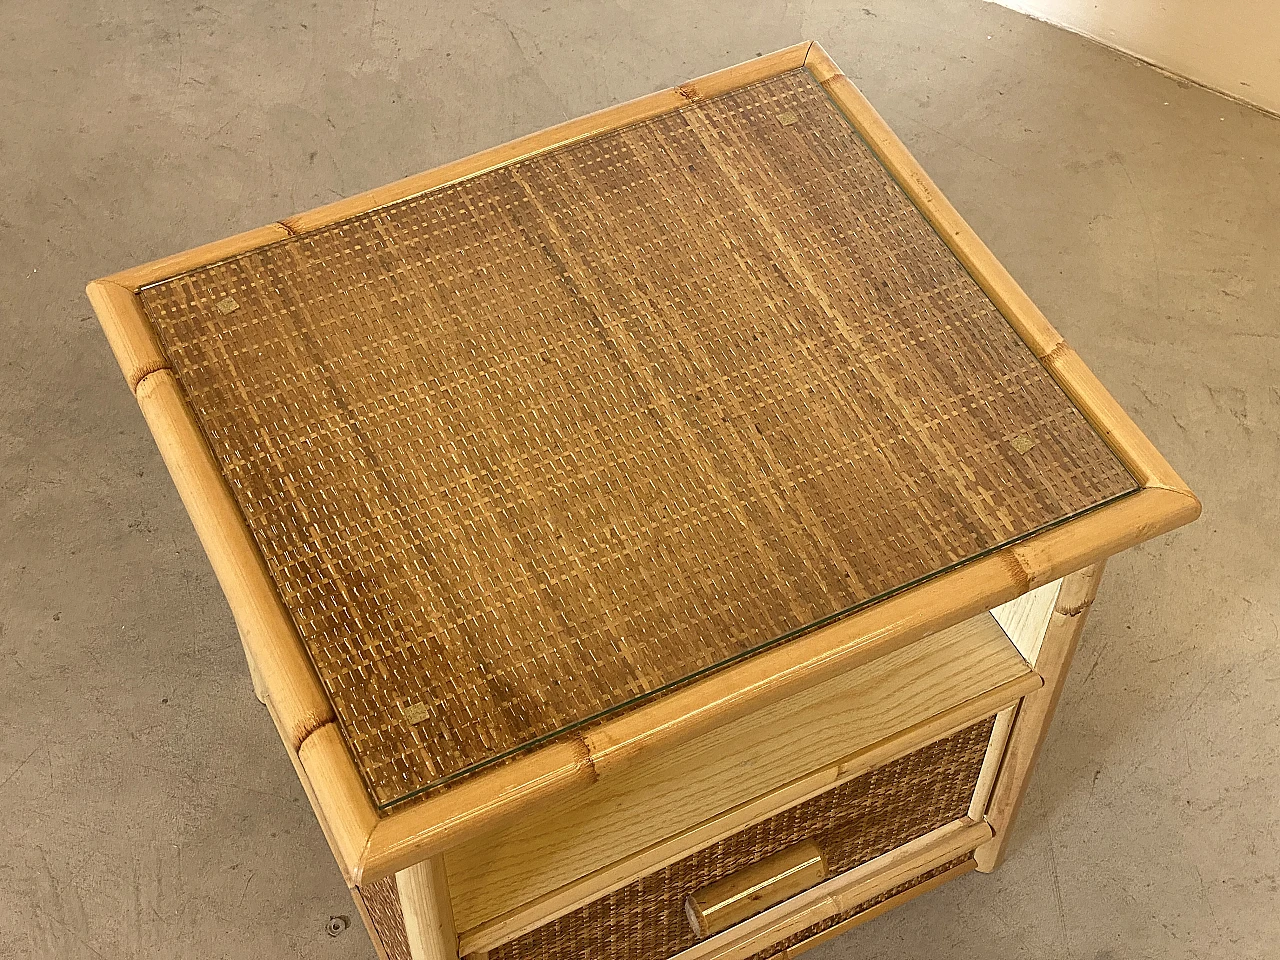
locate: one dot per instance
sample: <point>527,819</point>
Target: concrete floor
<point>148,809</point>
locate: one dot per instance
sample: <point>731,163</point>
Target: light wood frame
<point>515,879</point>
<point>428,914</point>
<point>1025,731</point>
<point>370,844</point>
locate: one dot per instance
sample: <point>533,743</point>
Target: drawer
<point>869,909</point>
<point>857,822</point>
<point>667,804</point>
<point>851,824</point>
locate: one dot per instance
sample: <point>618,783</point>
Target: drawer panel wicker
<point>852,823</point>
<point>381,900</point>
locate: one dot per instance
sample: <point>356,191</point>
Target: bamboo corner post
<point>520,844</point>
<point>1030,726</point>
<point>428,915</point>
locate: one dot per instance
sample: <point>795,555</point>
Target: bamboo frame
<point>428,915</point>
<point>370,844</point>
<point>991,762</point>
<point>1031,725</point>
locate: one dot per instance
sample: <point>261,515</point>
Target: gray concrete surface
<point>147,808</point>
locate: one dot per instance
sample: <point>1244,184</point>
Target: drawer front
<point>851,824</point>
<point>811,936</point>
<point>637,809</point>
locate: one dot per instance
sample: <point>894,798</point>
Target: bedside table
<point>663,535</point>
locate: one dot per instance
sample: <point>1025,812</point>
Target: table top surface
<point>538,444</point>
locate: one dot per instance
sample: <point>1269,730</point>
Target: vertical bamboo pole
<point>428,915</point>
<point>991,762</point>
<point>1031,725</point>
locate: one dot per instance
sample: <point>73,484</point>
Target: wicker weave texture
<point>382,902</point>
<point>532,445</point>
<point>852,823</point>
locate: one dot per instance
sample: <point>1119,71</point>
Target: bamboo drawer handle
<point>720,905</point>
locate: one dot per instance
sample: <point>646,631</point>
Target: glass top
<point>539,444</point>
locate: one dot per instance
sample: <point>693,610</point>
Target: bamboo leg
<point>1031,724</point>
<point>428,915</point>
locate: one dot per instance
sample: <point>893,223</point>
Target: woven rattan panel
<point>382,902</point>
<point>781,948</point>
<point>535,444</point>
<point>852,823</point>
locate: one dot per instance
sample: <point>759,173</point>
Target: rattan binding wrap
<point>530,446</point>
<point>852,823</point>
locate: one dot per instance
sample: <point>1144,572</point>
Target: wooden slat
<point>672,791</point>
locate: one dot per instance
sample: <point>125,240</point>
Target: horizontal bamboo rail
<point>880,909</point>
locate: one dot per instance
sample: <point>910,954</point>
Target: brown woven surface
<point>382,901</point>
<point>780,948</point>
<point>852,823</point>
<point>529,446</point>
